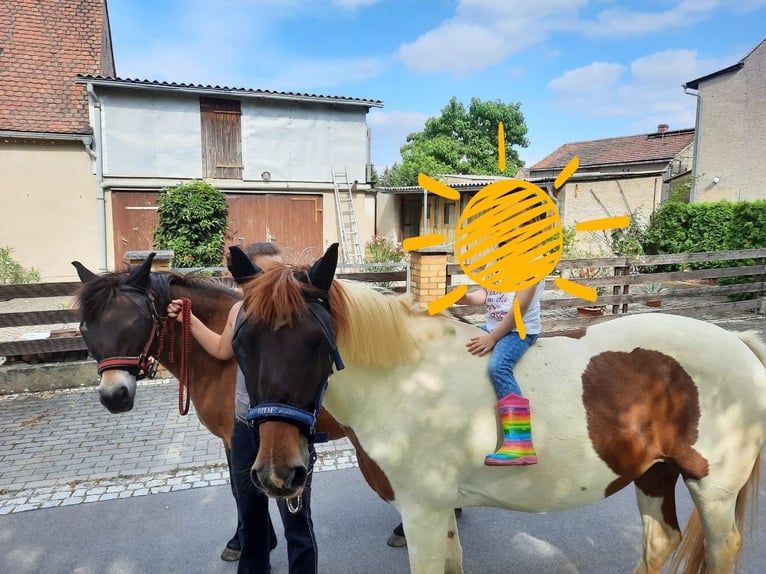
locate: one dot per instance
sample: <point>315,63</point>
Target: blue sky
<point>582,69</point>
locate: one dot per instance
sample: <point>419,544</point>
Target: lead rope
<point>184,383</point>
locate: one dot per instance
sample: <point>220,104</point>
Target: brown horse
<point>121,323</point>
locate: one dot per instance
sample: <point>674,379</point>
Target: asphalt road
<point>184,531</point>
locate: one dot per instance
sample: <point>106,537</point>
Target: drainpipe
<point>696,94</point>
<point>99,160</point>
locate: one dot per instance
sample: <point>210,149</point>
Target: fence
<point>693,292</point>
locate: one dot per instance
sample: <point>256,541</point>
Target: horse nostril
<point>297,477</point>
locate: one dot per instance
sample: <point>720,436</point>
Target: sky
<point>581,69</point>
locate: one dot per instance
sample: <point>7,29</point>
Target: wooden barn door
<point>293,222</point>
<point>134,219</point>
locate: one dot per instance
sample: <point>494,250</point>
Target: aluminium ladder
<point>349,230</point>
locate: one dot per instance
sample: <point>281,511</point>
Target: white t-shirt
<point>499,304</point>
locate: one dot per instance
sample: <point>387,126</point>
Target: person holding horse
<point>503,340</point>
<point>256,533</point>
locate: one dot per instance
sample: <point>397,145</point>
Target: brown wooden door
<point>134,219</point>
<point>293,222</point>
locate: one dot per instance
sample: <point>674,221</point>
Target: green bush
<point>721,226</point>
<point>12,272</point>
<point>192,224</point>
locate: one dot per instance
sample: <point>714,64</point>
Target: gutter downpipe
<point>696,94</point>
<point>99,161</point>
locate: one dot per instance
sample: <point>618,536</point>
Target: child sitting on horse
<point>503,340</point>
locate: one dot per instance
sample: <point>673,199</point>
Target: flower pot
<point>654,303</point>
<point>590,311</point>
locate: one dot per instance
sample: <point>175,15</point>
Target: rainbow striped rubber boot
<point>517,448</point>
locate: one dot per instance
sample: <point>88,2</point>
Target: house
<point>84,153</point>
<point>274,154</point>
<point>49,213</point>
<point>731,130</point>
<point>400,210</point>
<point>616,176</point>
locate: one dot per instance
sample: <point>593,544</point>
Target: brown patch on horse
<point>660,482</point>
<point>573,334</point>
<point>642,407</point>
<point>327,423</point>
<point>371,472</point>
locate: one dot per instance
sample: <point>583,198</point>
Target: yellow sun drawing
<point>509,236</point>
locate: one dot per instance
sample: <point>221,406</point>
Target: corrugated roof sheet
<point>156,84</point>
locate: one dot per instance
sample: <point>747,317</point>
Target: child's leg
<point>505,355</point>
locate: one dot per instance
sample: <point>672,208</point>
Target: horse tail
<point>754,342</point>
<point>690,556</point>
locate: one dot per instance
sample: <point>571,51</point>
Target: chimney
<point>662,128</point>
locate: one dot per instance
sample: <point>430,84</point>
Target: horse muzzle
<point>117,390</point>
<point>282,466</point>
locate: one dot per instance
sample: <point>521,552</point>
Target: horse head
<point>285,348</point>
<point>120,325</point>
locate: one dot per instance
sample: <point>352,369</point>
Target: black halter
<point>318,306</point>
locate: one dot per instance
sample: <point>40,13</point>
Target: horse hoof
<point>230,554</point>
<point>396,541</point>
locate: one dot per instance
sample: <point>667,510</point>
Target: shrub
<point>12,272</point>
<point>383,250</point>
<point>192,224</point>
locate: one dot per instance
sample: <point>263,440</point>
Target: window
<point>221,138</point>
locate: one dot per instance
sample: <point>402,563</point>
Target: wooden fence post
<point>428,268</point>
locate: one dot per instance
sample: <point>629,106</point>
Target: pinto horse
<point>638,399</point>
<point>121,318</point>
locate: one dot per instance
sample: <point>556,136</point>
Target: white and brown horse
<point>643,399</point>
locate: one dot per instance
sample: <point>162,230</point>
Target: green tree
<point>461,141</point>
<point>192,224</point>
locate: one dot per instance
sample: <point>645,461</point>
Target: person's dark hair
<point>260,249</point>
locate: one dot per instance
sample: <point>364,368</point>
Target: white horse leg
<point>655,494</point>
<point>426,541</point>
<point>454,563</point>
<point>717,515</point>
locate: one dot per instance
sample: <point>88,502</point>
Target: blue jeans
<point>505,355</point>
<point>256,534</point>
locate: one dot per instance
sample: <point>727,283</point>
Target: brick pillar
<point>161,261</point>
<point>428,268</point>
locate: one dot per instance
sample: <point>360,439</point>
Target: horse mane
<point>96,295</point>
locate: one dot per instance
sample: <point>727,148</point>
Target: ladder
<point>344,205</point>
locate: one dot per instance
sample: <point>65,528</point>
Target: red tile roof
<point>655,146</point>
<point>45,44</point>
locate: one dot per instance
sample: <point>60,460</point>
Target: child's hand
<point>480,346</point>
<point>174,310</point>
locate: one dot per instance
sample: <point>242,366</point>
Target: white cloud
<point>484,33</point>
<point>389,132</point>
<point>648,89</point>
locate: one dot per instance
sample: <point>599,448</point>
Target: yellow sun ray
<point>519,319</point>
<point>571,167</point>
<point>423,241</point>
<point>501,146</point>
<point>437,187</point>
<point>605,223</point>
<point>440,304</point>
<point>581,291</point>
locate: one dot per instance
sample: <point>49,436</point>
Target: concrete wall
<point>49,212</point>
<point>732,133</point>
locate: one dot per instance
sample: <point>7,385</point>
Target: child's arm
<point>217,345</point>
<point>483,344</point>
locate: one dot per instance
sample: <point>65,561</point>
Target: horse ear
<point>323,270</point>
<point>139,276</point>
<point>240,265</point>
<point>83,272</point>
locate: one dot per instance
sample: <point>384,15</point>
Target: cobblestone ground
<point>61,448</point>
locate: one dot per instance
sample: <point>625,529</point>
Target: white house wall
<point>156,135</point>
<point>300,142</point>
<point>149,135</point>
